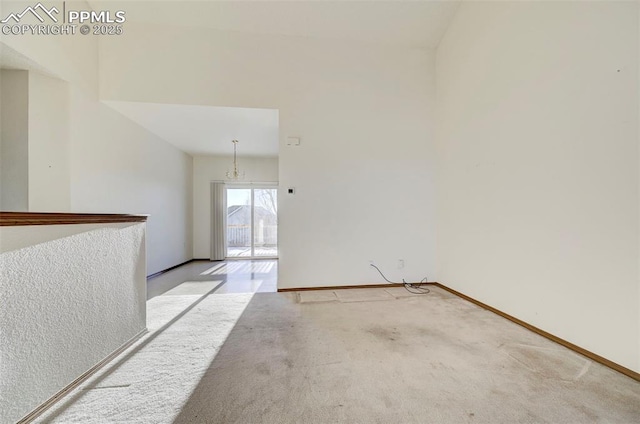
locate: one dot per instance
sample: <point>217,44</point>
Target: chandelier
<point>235,174</point>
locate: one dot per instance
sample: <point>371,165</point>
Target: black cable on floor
<point>417,288</point>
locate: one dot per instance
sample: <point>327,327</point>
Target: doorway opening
<point>251,222</point>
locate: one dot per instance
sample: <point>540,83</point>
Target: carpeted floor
<point>352,356</point>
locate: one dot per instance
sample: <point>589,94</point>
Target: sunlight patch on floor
<point>241,267</point>
<point>150,366</point>
<point>212,269</point>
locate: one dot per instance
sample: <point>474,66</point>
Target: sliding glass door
<point>252,222</point>
<point>239,207</point>
<point>265,222</point>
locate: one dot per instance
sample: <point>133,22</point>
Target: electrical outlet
<point>400,263</point>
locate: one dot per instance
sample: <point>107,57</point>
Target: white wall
<point>70,58</point>
<point>114,164</point>
<point>14,152</point>
<point>49,164</point>
<point>119,167</point>
<point>364,170</point>
<point>538,167</point>
<point>71,298</point>
<point>214,168</point>
<point>35,142</point>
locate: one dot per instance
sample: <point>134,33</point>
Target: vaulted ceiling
<point>391,22</point>
<point>209,130</point>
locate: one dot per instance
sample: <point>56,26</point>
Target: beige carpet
<point>354,356</point>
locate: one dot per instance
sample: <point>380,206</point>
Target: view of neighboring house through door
<point>251,222</point>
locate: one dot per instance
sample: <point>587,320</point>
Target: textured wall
<point>67,303</point>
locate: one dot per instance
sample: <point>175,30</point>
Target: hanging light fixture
<point>235,174</point>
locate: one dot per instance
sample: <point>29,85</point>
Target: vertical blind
<point>218,233</point>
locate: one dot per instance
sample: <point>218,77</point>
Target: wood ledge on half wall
<point>15,219</point>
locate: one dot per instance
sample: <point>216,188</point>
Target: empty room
<point>319,211</point>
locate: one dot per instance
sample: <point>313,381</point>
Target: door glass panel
<point>265,222</point>
<point>238,222</point>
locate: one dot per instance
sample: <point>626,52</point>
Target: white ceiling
<point>417,23</point>
<point>208,130</point>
